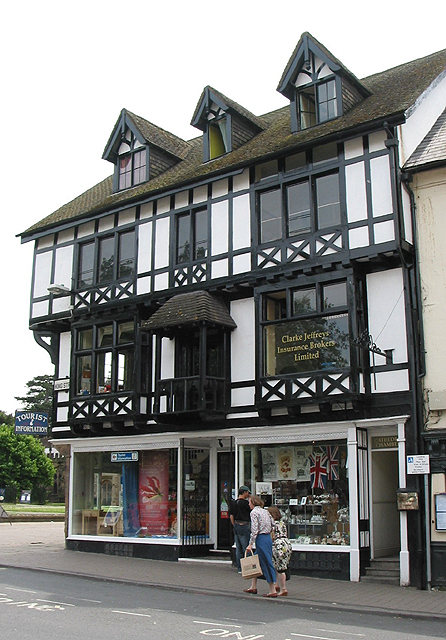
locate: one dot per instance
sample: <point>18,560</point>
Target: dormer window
<point>318,86</point>
<point>218,135</point>
<point>225,124</point>
<point>317,103</point>
<point>141,151</point>
<point>132,163</point>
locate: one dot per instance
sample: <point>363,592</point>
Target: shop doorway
<point>225,486</point>
<point>386,521</point>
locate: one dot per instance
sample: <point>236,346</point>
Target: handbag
<point>250,566</point>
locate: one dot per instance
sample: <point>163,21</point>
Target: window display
<point>308,483</point>
<point>129,493</point>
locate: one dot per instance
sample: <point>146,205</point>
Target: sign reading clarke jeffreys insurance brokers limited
<point>307,345</point>
<point>31,423</point>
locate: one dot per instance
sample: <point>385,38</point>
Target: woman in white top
<point>261,527</point>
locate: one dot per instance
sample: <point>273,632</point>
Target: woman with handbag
<point>261,527</point>
<point>281,549</point>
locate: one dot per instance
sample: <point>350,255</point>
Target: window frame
<point>96,355</point>
<point>277,309</point>
<point>196,241</point>
<point>282,218</point>
<point>312,94</point>
<point>114,271</point>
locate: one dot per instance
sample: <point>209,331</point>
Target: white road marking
<point>64,604</point>
<point>217,624</point>
<point>345,633</point>
<point>304,635</point>
<point>132,613</point>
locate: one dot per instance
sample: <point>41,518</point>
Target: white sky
<point>69,68</point>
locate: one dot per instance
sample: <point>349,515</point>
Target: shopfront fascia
<point>320,478</point>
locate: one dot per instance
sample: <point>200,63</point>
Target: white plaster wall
<point>64,354</point>
<point>430,195</point>
<point>243,340</point>
<point>63,269</point>
<point>219,227</point>
<point>162,243</point>
<point>421,116</point>
<point>144,247</point>
<point>241,222</point>
<point>167,358</point>
<point>386,313</point>
<point>356,192</point>
<point>42,274</point>
<point>381,187</point>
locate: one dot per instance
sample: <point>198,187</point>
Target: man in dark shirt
<point>239,515</point>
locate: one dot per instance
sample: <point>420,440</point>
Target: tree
<point>39,396</point>
<point>24,464</point>
<point>6,418</point>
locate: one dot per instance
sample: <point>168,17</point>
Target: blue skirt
<point>264,548</point>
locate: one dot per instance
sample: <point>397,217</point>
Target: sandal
<point>283,593</point>
<point>250,591</point>
<point>270,595</point>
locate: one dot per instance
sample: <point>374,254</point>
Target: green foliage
<point>23,463</point>
<point>6,418</point>
<point>39,396</point>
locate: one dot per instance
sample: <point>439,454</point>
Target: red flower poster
<point>154,492</point>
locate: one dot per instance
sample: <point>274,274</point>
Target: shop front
<point>168,497</point>
<point>150,497</point>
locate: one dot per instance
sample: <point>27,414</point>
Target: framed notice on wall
<point>440,512</point>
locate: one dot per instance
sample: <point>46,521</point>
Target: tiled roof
<point>189,309</point>
<point>432,150</point>
<point>392,93</point>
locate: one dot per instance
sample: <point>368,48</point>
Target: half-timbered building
<point>241,308</point>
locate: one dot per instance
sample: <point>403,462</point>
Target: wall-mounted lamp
<point>60,290</point>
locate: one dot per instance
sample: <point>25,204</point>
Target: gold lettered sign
<point>385,442</point>
<point>311,345</point>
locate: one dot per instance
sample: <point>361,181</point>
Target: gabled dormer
<point>141,151</point>
<point>225,124</point>
<point>318,86</point>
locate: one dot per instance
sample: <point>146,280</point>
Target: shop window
<point>192,236</point>
<point>115,255</point>
<point>105,354</point>
<point>308,482</point>
<point>306,329</point>
<point>300,207</point>
<point>129,494</point>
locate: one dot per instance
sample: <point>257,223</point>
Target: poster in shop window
<point>303,463</point>
<point>286,464</point>
<point>269,464</point>
<point>154,492</point>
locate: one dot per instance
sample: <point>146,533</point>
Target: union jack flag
<point>318,470</point>
<point>333,464</point>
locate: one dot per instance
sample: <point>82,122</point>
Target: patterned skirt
<point>281,554</point>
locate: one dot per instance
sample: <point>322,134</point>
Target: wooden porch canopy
<point>189,309</point>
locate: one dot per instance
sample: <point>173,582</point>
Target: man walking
<point>240,519</point>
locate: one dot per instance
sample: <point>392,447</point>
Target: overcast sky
<point>69,68</point>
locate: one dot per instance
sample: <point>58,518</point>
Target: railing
<point>190,394</point>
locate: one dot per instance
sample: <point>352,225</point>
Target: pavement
<point>40,546</point>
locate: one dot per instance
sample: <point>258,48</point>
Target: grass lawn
<point>33,508</point>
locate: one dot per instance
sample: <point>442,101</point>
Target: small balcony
<point>190,397</point>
